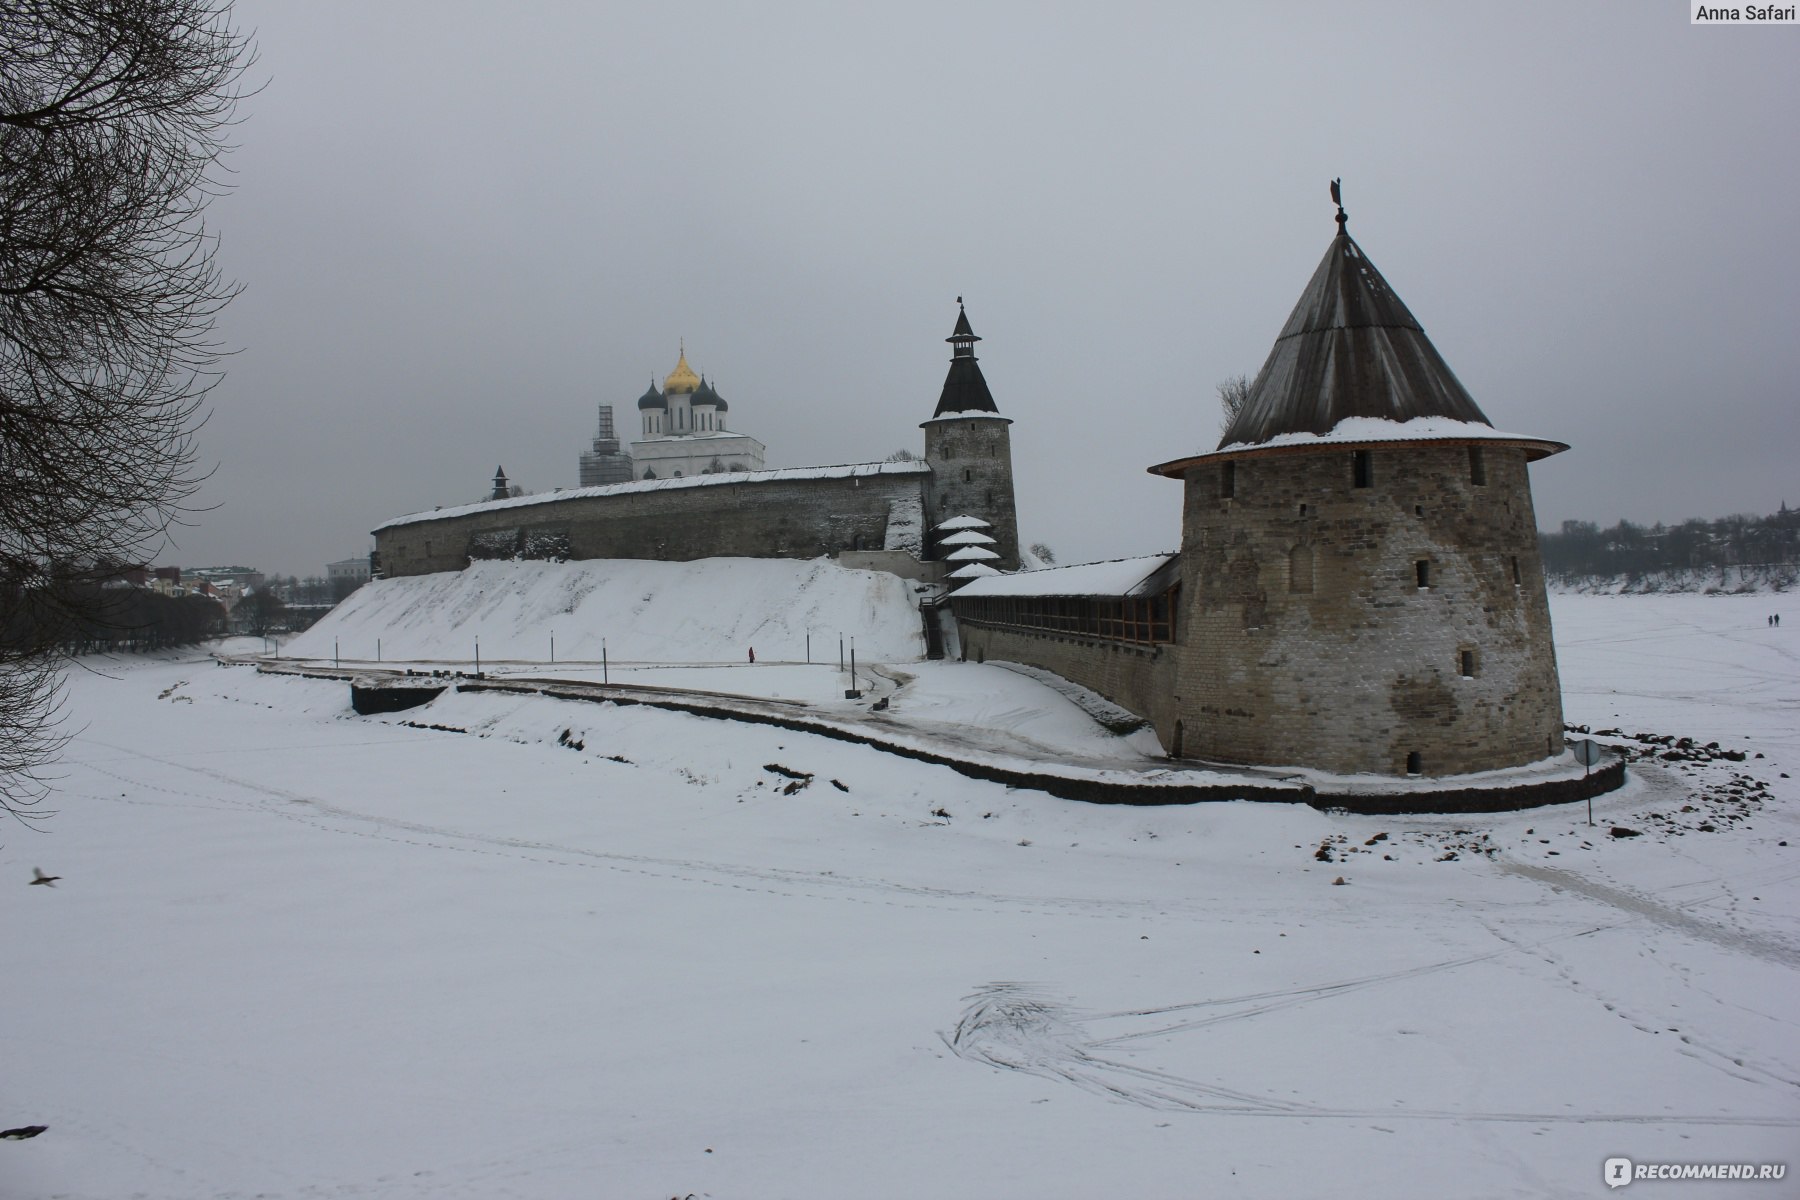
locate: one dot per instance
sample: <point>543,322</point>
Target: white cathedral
<point>685,433</point>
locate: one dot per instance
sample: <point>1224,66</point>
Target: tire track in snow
<point>1015,1027</point>
<point>1730,1063</point>
<point>1763,946</point>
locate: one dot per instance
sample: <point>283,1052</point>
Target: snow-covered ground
<point>712,610</point>
<point>552,949</point>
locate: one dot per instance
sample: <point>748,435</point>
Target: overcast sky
<point>461,227</point>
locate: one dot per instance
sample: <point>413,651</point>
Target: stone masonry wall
<point>1307,638</point>
<point>781,518</point>
<point>1138,678</point>
<point>971,462</point>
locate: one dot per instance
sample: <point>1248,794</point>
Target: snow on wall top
<point>1363,431</point>
<point>721,479</point>
<point>1118,577</point>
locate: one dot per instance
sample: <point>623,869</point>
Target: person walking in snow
<point>753,656</point>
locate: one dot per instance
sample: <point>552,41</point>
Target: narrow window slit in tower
<point>1227,480</point>
<point>1423,569</point>
<point>1515,566</point>
<point>1468,664</point>
<point>1360,468</point>
<point>1415,763</point>
<point>1477,468</point>
<point>1300,570</point>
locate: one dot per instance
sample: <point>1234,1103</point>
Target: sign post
<point>1587,753</point>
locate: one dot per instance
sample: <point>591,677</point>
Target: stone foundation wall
<point>1307,637</point>
<point>805,517</point>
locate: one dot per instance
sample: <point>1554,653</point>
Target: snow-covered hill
<point>711,610</point>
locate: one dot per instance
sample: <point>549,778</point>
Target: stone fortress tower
<point>1360,583</point>
<point>968,446</point>
<point>684,430</point>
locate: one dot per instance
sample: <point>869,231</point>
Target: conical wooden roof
<point>1351,348</point>
<point>965,389</point>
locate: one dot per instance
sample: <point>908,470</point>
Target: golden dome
<point>682,380</point>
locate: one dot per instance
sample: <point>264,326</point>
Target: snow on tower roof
<point>1351,348</point>
<point>963,523</point>
<point>970,553</point>
<point>1372,431</point>
<point>1353,365</point>
<point>968,537</point>
<point>974,570</point>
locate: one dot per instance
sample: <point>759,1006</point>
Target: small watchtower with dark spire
<point>1361,585</point>
<point>501,487</point>
<point>968,446</point>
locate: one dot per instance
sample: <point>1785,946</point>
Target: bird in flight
<point>40,877</point>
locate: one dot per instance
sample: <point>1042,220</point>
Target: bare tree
<point>260,613</point>
<point>112,118</point>
<point>30,733</point>
<point>1234,392</point>
<point>1044,554</point>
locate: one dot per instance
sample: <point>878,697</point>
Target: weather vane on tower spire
<point>1337,198</point>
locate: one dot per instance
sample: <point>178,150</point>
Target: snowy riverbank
<point>297,952</point>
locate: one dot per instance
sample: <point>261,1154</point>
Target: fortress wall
<point>1138,678</point>
<point>1306,638</point>
<point>802,517</point>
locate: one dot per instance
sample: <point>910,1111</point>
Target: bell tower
<point>968,446</point>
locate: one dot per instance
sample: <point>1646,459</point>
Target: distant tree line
<point>110,615</point>
<point>1582,548</point>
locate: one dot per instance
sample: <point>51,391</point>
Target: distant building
<point>685,433</point>
<point>353,571</point>
<point>243,578</point>
<point>605,462</point>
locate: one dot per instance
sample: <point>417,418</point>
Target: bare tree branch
<point>112,120</point>
<point>1234,392</point>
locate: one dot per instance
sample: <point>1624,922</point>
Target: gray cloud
<point>461,228</point>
